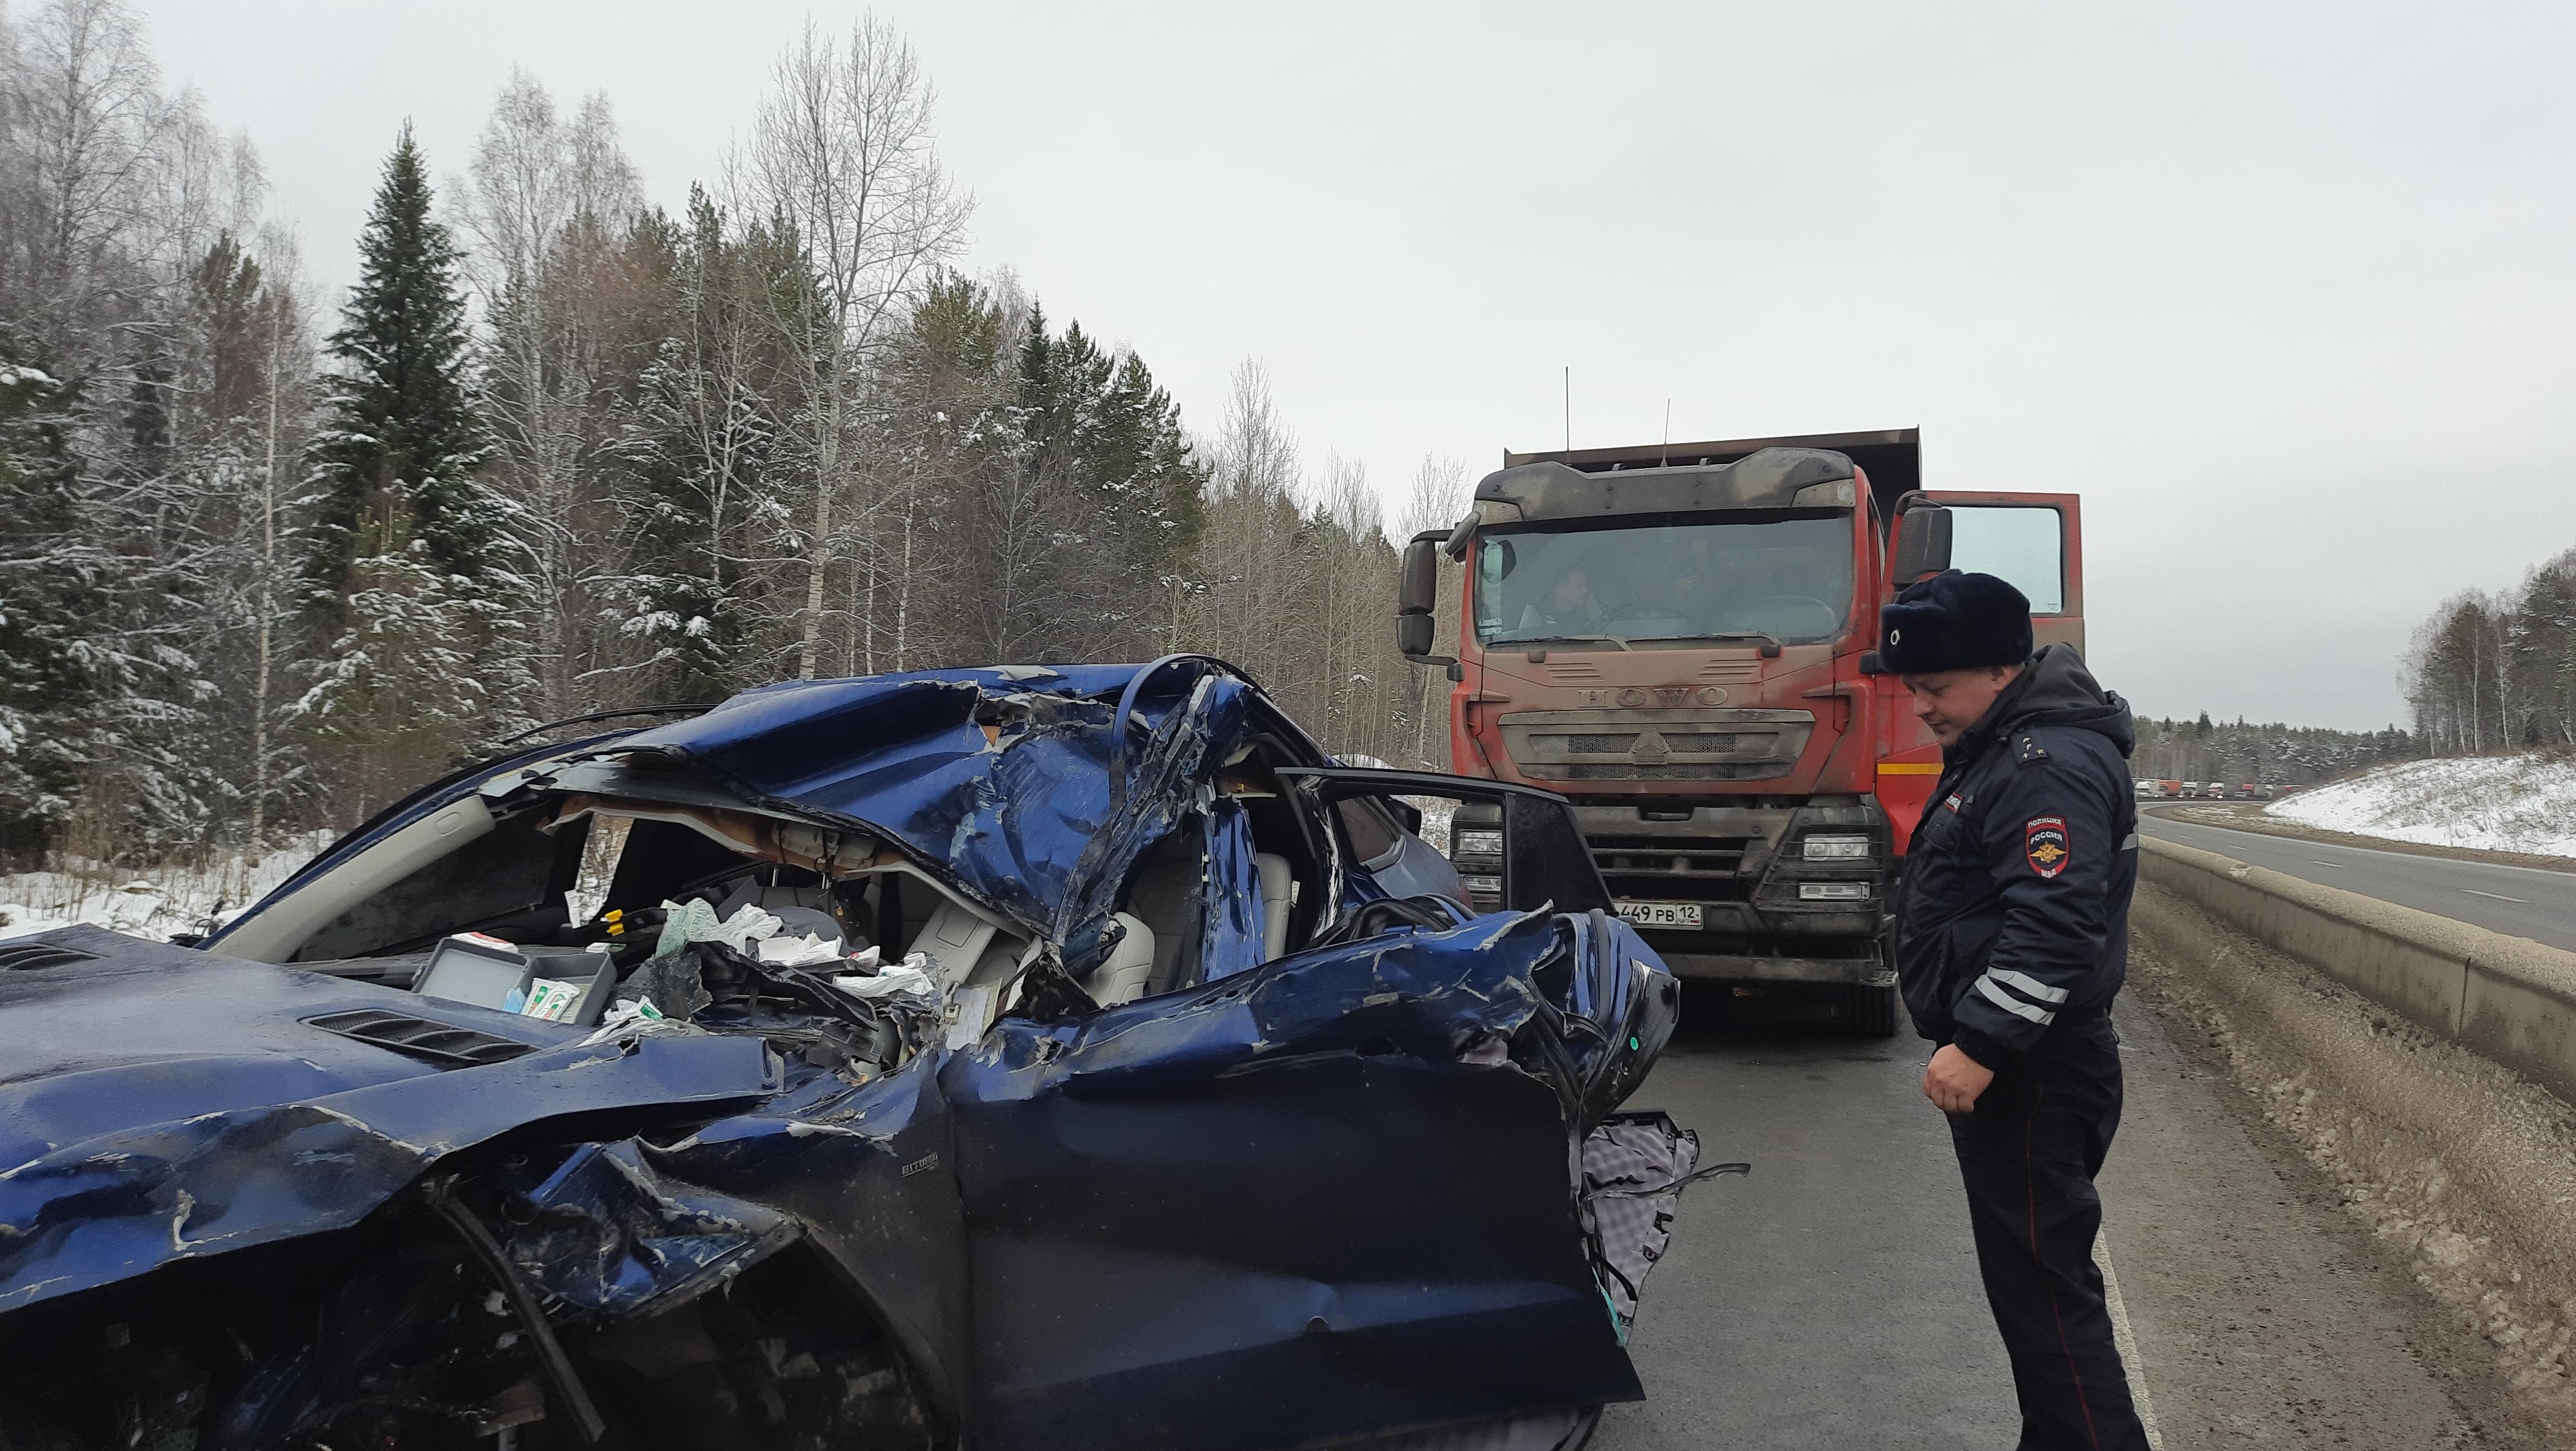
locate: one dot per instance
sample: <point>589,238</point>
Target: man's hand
<point>1954,1080</point>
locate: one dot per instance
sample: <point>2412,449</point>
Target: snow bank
<point>152,903</point>
<point>2524,802</point>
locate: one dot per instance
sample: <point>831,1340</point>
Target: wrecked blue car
<point>1006,1058</point>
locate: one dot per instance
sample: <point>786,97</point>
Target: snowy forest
<point>269,558</point>
<point>2491,670</point>
<point>2274,754</point>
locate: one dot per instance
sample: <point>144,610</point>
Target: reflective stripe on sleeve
<point>2011,1004</point>
<point>2131,844</point>
<point>2028,984</point>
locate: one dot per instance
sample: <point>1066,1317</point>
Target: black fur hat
<point>1954,621</point>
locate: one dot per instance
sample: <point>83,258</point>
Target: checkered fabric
<point>1635,1167</point>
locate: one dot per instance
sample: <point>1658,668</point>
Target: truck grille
<point>1620,745</point>
<point>1656,745</point>
<point>1602,745</point>
<point>1700,742</point>
<point>1674,868</point>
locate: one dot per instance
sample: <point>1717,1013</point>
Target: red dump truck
<point>1681,638</point>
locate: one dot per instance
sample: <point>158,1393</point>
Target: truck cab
<point>1681,639</point>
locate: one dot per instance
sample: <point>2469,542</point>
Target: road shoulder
<point>2273,1292</point>
<point>2250,817</point>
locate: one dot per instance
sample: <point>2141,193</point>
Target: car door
<point>1323,1196</point>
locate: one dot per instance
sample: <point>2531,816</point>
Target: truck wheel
<point>1871,1010</point>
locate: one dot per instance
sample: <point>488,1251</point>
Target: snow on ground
<point>153,902</point>
<point>2524,801</point>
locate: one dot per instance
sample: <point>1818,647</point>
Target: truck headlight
<point>1837,848</point>
<point>1833,891</point>
<point>1490,886</point>
<point>1478,843</point>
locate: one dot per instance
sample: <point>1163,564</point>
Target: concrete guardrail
<point>2510,999</point>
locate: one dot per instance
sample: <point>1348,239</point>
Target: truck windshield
<point>1790,579</point>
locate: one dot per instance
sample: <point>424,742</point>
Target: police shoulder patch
<point>2046,845</point>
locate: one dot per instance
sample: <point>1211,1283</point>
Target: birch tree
<point>548,208</point>
<point>842,154</point>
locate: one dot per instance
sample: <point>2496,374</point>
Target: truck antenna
<point>1569,408</point>
<point>1666,457</point>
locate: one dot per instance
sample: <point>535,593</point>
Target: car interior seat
<point>954,940</point>
<point>1130,967</point>
<point>1278,892</point>
<point>1165,898</point>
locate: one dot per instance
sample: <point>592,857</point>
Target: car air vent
<point>28,956</point>
<point>438,1042</point>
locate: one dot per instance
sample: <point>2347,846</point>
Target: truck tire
<point>1871,1011</point>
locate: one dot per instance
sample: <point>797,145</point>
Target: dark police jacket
<point>2016,904</point>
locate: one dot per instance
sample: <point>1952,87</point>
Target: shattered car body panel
<point>1186,1218</point>
<point>1195,1135</point>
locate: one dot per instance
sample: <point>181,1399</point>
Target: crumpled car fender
<point>122,1203</point>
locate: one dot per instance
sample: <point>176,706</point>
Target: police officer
<point>2012,939</point>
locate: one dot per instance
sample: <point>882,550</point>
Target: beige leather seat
<point>1278,893</point>
<point>1144,961</point>
<point>954,940</point>
<point>1130,966</point>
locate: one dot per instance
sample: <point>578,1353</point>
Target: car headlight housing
<point>1471,842</point>
<point>1836,849</point>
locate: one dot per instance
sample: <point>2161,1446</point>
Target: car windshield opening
<point>1788,579</point>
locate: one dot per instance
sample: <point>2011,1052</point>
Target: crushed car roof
<point>1032,787</point>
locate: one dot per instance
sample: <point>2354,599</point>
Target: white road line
<point>2126,1343</point>
<point>2338,866</point>
<point>2499,896</point>
<point>2363,850</point>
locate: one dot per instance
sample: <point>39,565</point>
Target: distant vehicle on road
<point>2151,790</point>
<point>2191,790</point>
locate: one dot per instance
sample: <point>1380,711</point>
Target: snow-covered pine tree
<point>48,590</point>
<point>410,573</point>
<point>401,430</point>
<point>694,457</point>
<point>1147,475</point>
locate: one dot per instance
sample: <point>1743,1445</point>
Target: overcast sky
<point>2285,292</point>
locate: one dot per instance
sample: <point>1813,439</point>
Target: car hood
<point>159,1103</point>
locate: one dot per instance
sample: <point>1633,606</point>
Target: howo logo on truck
<point>1659,697</point>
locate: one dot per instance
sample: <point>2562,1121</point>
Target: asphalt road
<point>2522,901</point>
<point>1831,1300</point>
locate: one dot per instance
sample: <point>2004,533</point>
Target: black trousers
<point>2028,1154</point>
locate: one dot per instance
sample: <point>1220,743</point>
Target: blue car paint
<point>1176,1210</point>
<point>190,1173</point>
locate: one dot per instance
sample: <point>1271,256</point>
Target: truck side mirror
<point>1417,594</point>
<point>1418,589</point>
<point>1922,544</point>
<point>1412,635</point>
